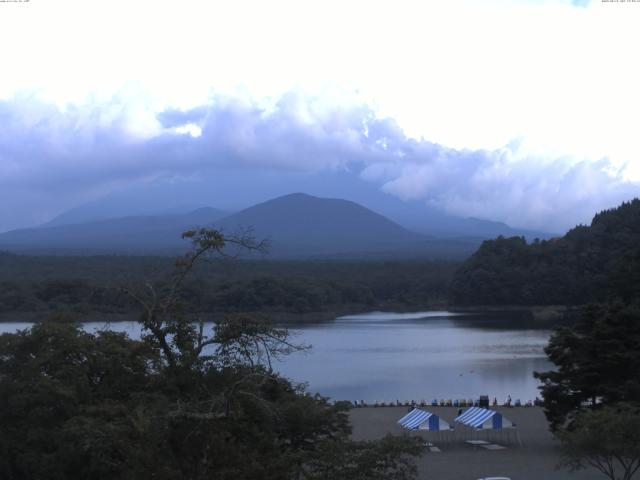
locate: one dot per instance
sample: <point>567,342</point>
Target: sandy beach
<point>457,460</point>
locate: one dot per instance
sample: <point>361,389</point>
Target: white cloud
<point>461,73</point>
<point>549,194</point>
<point>85,150</point>
<point>554,83</point>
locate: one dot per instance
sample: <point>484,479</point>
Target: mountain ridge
<point>183,196</point>
<point>299,226</point>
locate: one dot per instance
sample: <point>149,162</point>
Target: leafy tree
<point>597,362</point>
<point>592,398</point>
<point>387,459</point>
<point>181,403</point>
<point>65,400</point>
<point>624,283</point>
<point>607,439</point>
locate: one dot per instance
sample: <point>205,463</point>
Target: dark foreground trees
<point>607,439</point>
<point>181,403</point>
<point>597,362</point>
<point>592,398</point>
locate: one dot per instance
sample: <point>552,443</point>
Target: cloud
<point>550,194</point>
<point>580,3</point>
<point>52,159</point>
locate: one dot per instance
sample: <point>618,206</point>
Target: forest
<point>87,286</point>
<point>576,269</point>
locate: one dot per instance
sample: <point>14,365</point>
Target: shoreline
<point>441,403</point>
<point>537,313</point>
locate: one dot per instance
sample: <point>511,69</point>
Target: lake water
<point>423,355</point>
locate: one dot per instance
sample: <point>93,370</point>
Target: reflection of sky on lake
<point>424,355</point>
<point>378,317</point>
<point>414,356</point>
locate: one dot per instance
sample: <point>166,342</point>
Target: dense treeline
<point>88,285</point>
<point>594,385</point>
<point>576,269</point>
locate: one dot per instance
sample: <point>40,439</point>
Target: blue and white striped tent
<point>483,419</point>
<point>418,419</point>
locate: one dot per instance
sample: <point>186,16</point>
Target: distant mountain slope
<point>574,269</point>
<point>136,234</point>
<point>420,218</point>
<point>303,224</point>
<point>476,227</point>
<point>89,214</point>
<point>175,197</point>
<point>297,225</point>
<point>141,199</point>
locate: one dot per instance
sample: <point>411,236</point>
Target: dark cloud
<point>51,160</point>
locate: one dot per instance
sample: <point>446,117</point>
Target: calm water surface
<point>423,355</point>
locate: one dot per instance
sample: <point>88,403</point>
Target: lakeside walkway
<point>464,403</point>
<point>457,460</point>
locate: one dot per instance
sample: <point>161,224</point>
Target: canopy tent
<point>483,418</point>
<point>418,419</point>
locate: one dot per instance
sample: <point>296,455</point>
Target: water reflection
<point>392,316</point>
<point>422,355</point>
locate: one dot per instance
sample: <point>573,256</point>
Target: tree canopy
<point>597,362</point>
<point>571,270</point>
<point>607,439</point>
<point>181,403</point>
<point>37,286</point>
<point>592,397</point>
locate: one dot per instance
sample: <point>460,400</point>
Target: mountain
<point>181,196</point>
<point>297,226</point>
<point>89,213</point>
<point>300,225</point>
<point>586,265</point>
<point>164,198</point>
<point>418,217</point>
<point>135,234</point>
<point>441,225</point>
<point>303,224</point>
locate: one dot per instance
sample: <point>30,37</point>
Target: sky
<point>518,111</point>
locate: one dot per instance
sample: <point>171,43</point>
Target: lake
<point>399,356</point>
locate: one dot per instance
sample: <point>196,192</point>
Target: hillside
<point>135,234</point>
<point>300,224</point>
<point>575,269</point>
<point>179,197</point>
<point>304,226</point>
<point>297,226</point>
